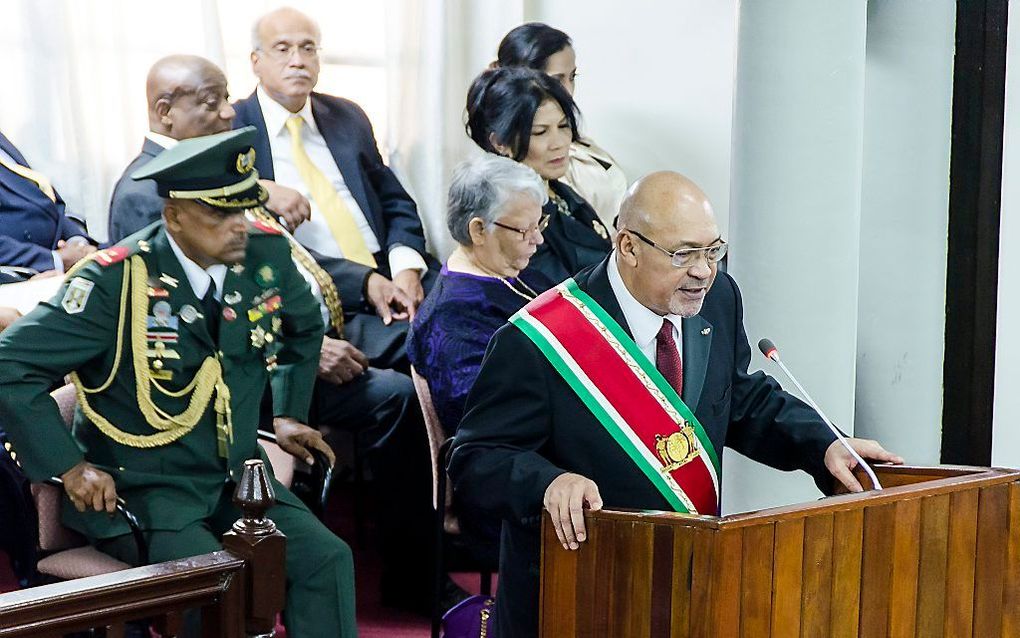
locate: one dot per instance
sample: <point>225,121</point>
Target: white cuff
<point>58,263</point>
<point>405,258</point>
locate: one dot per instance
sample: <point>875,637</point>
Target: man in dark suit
<point>36,233</point>
<point>324,147</point>
<point>529,440</point>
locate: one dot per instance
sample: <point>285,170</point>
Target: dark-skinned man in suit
<point>620,388</point>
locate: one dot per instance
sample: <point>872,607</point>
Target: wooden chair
<point>447,527</point>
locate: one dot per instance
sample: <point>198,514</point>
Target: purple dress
<point>452,328</point>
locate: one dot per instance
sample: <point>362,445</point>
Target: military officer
<point>170,340</point>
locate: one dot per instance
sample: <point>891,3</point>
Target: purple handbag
<point>473,617</point>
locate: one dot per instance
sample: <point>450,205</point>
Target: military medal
<point>189,314</point>
<point>237,269</point>
<point>258,337</point>
<point>277,325</point>
<point>168,280</point>
<point>161,314</point>
<point>265,275</point>
<point>229,314</point>
<point>232,297</point>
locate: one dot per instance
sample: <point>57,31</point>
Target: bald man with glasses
<point>620,387</point>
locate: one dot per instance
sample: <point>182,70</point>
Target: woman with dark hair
<point>592,172</point>
<point>528,116</point>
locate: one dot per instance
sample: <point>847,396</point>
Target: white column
<point>795,208</point>
<point>904,225</point>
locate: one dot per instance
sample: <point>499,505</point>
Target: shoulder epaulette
<point>112,255</point>
<point>270,228</point>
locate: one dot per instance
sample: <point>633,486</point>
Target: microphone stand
<point>773,354</point>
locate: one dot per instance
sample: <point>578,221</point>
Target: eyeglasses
<point>542,225</point>
<point>687,257</point>
<point>282,51</point>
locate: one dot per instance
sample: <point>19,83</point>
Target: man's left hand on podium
<point>841,463</point>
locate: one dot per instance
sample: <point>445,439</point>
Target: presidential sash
<point>626,394</point>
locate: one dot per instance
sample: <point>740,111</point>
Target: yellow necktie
<point>338,216</point>
<point>41,180</point>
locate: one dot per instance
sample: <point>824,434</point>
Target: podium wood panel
<point>936,554</point>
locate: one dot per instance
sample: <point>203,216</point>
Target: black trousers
<point>381,407</point>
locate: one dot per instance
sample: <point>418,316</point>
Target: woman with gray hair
<point>494,212</point>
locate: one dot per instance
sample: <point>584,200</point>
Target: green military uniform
<point>170,410</point>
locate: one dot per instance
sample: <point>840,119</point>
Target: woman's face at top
<point>549,148</point>
<point>562,66</point>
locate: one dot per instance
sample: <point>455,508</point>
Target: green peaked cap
<point>218,170</point>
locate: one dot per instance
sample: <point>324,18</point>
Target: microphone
<point>770,351</point>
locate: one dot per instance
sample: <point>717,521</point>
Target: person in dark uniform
<point>36,232</point>
<point>528,116</point>
<point>171,339</point>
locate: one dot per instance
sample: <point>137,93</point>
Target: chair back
<point>53,536</point>
<point>435,430</point>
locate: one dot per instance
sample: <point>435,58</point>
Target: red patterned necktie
<point>667,359</point>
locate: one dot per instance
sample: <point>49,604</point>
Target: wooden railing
<point>239,590</point>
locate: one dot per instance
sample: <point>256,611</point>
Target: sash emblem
<point>677,449</point>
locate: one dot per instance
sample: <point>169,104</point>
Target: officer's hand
<point>566,498</point>
<point>73,252</point>
<point>390,302</point>
<point>340,362</point>
<point>409,281</point>
<point>90,487</point>
<point>287,203</point>
<point>297,439</point>
<point>840,462</point>
<point>7,317</point>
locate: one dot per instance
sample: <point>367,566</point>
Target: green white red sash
<point>628,396</point>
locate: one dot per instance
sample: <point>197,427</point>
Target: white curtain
<point>74,85</point>
<point>435,48</point>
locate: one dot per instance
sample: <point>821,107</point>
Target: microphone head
<point>769,349</point>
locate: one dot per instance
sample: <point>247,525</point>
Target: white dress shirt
<point>164,141</point>
<point>199,278</point>
<point>315,233</point>
<point>644,323</point>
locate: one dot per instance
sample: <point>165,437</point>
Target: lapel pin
<point>706,331</point>
<point>189,314</point>
<point>229,314</point>
<point>232,297</point>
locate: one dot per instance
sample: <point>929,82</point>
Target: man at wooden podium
<point>620,388</point>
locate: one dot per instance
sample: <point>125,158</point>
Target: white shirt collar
<point>163,140</point>
<point>199,277</point>
<point>644,323</point>
<point>276,115</point>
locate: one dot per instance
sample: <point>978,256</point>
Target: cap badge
<point>246,161</point>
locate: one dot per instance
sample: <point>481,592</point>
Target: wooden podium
<point>935,554</point>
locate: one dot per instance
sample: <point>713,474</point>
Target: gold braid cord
<point>208,379</point>
<point>329,293</point>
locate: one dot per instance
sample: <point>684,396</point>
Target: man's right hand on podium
<point>565,499</point>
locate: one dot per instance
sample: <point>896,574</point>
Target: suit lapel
<point>249,113</point>
<point>345,156</point>
<point>697,344</point>
<point>595,282</point>
<point>182,294</point>
<point>151,148</point>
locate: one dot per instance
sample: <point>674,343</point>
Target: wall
<point>1005,433</point>
<point>655,85</point>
